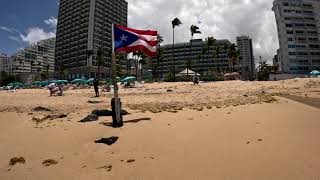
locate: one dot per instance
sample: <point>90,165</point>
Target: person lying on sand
<point>55,90</point>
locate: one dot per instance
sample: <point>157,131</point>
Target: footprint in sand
<point>130,160</point>
<point>260,140</point>
<point>49,162</point>
<point>16,160</point>
<point>108,168</point>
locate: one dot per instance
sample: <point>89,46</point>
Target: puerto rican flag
<point>130,40</point>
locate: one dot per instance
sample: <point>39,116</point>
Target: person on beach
<point>96,87</point>
<point>195,80</point>
<point>53,88</point>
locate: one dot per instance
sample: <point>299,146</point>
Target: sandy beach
<point>220,130</point>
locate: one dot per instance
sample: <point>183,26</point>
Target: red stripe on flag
<point>140,32</point>
<point>152,43</point>
<point>137,48</point>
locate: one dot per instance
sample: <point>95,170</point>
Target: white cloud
<point>36,34</point>
<point>223,19</point>
<point>14,38</point>
<point>52,22</point>
<point>33,34</point>
<point>10,30</point>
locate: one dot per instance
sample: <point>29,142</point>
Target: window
<point>288,25</point>
<point>302,53</point>
<point>285,4</point>
<point>301,39</point>
<point>290,39</point>
<point>300,32</point>
<point>292,53</point>
<point>289,32</point>
<point>291,46</point>
<point>287,11</point>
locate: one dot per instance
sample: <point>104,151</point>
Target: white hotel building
<point>298,24</point>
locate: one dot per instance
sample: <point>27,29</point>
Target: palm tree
<point>218,51</point>
<point>175,23</point>
<point>136,59</point>
<point>161,52</point>
<point>234,55</point>
<point>159,40</point>
<point>89,53</point>
<point>209,42</point>
<point>226,49</point>
<point>100,60</point>
<point>47,70</point>
<point>194,30</point>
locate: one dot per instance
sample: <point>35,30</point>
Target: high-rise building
<point>206,62</point>
<point>34,59</point>
<point>247,62</point>
<point>6,63</point>
<point>86,26</point>
<point>298,24</point>
<point>2,56</point>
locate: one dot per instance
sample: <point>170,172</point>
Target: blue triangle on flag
<point>123,38</point>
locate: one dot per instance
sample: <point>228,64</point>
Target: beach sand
<point>222,130</point>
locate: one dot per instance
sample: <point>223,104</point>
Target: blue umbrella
<point>61,81</point>
<point>89,81</point>
<point>78,81</point>
<point>315,72</point>
<point>129,78</point>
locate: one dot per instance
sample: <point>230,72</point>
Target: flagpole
<point>115,102</point>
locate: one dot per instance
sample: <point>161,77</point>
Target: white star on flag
<point>123,37</point>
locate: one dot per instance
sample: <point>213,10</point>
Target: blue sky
<point>24,22</point>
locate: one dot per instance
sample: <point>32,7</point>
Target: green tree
<point>100,60</point>
<point>264,70</point>
<point>6,78</point>
<point>161,53</point>
<point>218,52</point>
<point>193,30</point>
<point>234,56</point>
<point>175,23</point>
<point>47,70</point>
<point>226,51</point>
<point>159,40</point>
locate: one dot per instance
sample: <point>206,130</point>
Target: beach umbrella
<point>16,84</point>
<point>315,72</point>
<point>44,83</point>
<point>36,83</point>
<point>129,78</point>
<point>79,81</point>
<point>89,81</point>
<point>61,81</point>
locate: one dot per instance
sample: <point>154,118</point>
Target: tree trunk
<point>172,64</point>
<point>98,73</point>
<point>202,68</point>
<point>189,61</point>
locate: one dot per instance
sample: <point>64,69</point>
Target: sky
<point>25,22</point>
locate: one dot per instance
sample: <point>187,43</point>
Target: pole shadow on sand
<point>128,121</point>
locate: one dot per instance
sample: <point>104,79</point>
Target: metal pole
<point>117,108</point>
